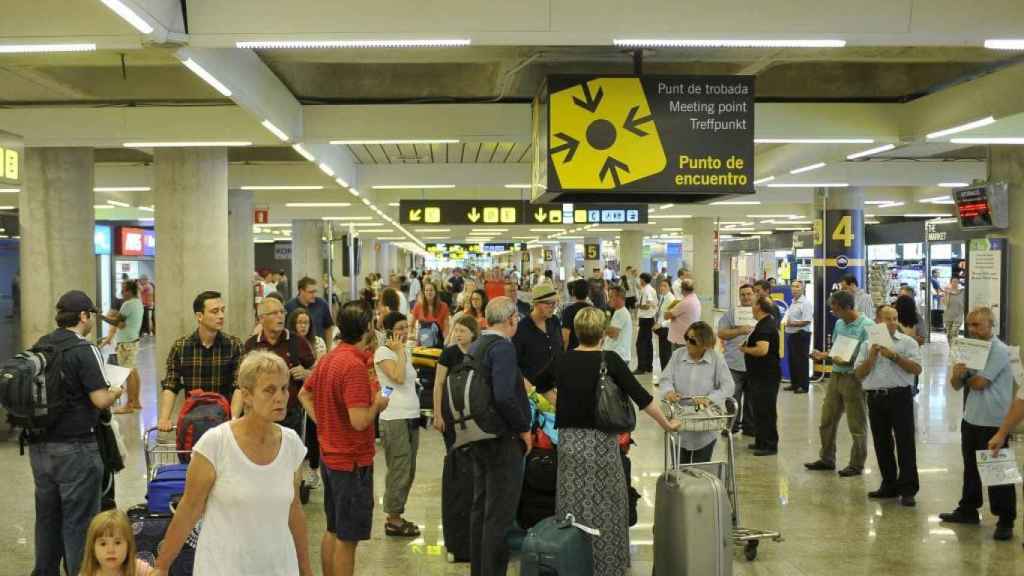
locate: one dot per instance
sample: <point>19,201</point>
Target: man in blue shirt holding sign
<point>989,395</point>
<point>844,392</point>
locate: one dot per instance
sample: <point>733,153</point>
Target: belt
<point>886,391</point>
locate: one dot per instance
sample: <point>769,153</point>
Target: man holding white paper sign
<point>844,391</point>
<point>799,318</point>
<point>989,394</point>
<point>887,377</point>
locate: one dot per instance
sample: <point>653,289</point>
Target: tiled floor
<point>829,525</point>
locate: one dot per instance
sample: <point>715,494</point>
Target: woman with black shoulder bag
<point>595,394</point>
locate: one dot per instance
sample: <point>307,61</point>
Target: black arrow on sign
<point>571,144</point>
<point>592,101</point>
<point>612,165</point>
<point>632,122</point>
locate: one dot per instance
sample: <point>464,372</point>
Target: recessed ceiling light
<point>188,144</point>
<point>725,43</point>
<point>319,44</point>
<point>871,151</point>
<point>413,187</point>
<point>37,48</point>
<point>1005,44</point>
<point>119,203</point>
<point>518,186</point>
<point>1013,141</point>
<point>317,204</point>
<point>275,130</point>
<point>764,180</point>
<point>394,204</point>
<point>9,190</point>
<point>205,75</point>
<point>808,168</point>
<point>935,199</point>
<point>953,184</point>
<point>122,189</point>
<point>137,22</point>
<point>962,128</point>
<point>303,152</point>
<point>878,202</point>
<point>813,141</point>
<point>281,187</point>
<point>732,203</point>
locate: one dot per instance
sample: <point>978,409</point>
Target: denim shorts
<point>348,502</point>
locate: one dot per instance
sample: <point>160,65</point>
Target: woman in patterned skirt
<point>591,480</point>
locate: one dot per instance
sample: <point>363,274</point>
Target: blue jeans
<point>68,479</point>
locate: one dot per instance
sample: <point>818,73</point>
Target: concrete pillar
<point>384,260</point>
<point>191,192</point>
<point>631,250</point>
<point>589,263</point>
<point>242,262</point>
<point>368,257</point>
<point>57,226</point>
<point>307,246</point>
<point>1006,164</point>
<point>703,266</point>
<point>567,251</point>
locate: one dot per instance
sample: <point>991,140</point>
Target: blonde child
<point>110,547</point>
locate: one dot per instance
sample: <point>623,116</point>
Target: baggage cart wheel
<point>750,550</point>
<point>304,490</point>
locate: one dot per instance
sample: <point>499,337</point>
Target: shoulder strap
<point>293,348</point>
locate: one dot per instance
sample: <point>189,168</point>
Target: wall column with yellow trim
<point>838,250</point>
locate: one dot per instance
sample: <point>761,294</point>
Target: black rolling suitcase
<point>457,503</point>
<point>540,484</point>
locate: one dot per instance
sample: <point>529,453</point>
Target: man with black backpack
<point>66,464</point>
<point>498,458</point>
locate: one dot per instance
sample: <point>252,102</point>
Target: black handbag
<point>613,412</point>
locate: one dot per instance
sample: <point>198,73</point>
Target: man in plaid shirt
<point>207,359</point>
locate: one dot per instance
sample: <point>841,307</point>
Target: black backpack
<point>471,398</point>
<point>32,387</point>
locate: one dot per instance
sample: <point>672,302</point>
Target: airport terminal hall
<point>528,288</point>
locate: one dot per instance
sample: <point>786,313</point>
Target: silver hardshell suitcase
<point>692,525</point>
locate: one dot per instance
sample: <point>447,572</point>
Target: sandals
<point>405,530</point>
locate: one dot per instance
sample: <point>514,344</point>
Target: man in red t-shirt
<point>343,403</point>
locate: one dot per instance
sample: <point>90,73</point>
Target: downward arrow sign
<point>612,165</point>
<point>540,215</point>
<point>473,215</point>
<point>415,215</point>
<point>592,100</point>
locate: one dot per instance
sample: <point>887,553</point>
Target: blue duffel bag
<point>168,482</point>
<point>558,546</point>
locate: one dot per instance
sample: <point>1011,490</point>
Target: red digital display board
<point>131,242</point>
<point>974,208</point>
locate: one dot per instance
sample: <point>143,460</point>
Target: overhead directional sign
<point>460,251</point>
<point>653,134</point>
<point>498,212</point>
<point>10,158</point>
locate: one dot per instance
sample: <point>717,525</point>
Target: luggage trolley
<point>159,453</point>
<point>712,418</point>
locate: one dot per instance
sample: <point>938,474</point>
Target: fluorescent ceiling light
<point>518,186</point>
<point>935,198</point>
<point>871,222</point>
<point>381,142</point>
<point>603,230</point>
<point>808,168</point>
<point>927,215</point>
<point>282,187</point>
<point>379,230</point>
<point>129,15</point>
<point>1005,44</point>
<point>395,43</point>
<point>892,205</point>
<point>366,201</point>
<point>665,206</point>
<point>8,207</point>
<point>672,229</point>
<point>764,180</point>
<point>793,228</point>
<point>388,237</point>
<point>725,43</point>
<point>147,208</point>
<point>188,144</point>
<point>37,48</point>
<point>303,152</point>
<point>353,192</point>
<point>489,230</point>
<point>281,225</point>
<point>9,190</point>
<point>812,185</point>
<point>119,203</point>
<point>947,202</point>
<point>394,204</point>
<point>264,241</point>
<point>413,187</point>
<point>342,182</point>
<point>546,229</point>
<point>275,130</point>
<point>122,189</point>
<point>435,238</point>
<point>1016,141</point>
<point>757,233</point>
<point>813,141</point>
<point>871,151</point>
<point>740,229</point>
<point>348,218</point>
<point>326,169</point>
<point>674,216</point>
<point>205,75</point>
<point>962,128</point>
<point>317,204</point>
<point>772,216</point>
<point>145,219</point>
<point>102,207</point>
<point>953,184</point>
<point>432,229</point>
<point>878,202</point>
<point>735,223</point>
<point>732,203</point>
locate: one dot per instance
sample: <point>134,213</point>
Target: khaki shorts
<point>126,353</point>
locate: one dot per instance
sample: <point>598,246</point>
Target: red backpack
<point>202,411</point>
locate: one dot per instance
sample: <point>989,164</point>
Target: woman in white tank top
<point>243,482</point>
